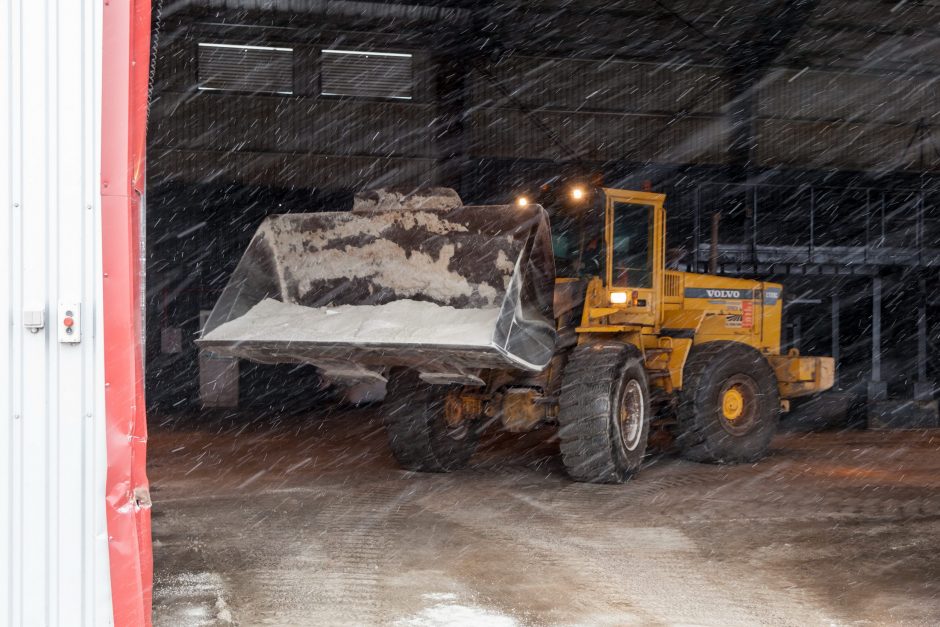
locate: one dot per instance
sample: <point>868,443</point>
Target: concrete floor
<point>307,521</point>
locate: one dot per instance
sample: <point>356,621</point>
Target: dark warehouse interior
<point>821,158</point>
<point>796,142</point>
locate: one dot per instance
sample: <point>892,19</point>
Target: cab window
<point>632,257</point>
<point>578,246</point>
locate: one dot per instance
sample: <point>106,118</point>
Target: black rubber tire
<point>594,384</point>
<point>702,434</point>
<point>419,436</point>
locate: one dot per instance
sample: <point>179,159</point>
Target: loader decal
<point>771,296</point>
<point>718,293</point>
<point>743,320</point>
<point>747,314</point>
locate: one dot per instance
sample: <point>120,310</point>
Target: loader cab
<point>634,231</point>
<point>578,241</point>
<point>626,281</point>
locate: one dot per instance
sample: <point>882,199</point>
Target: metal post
<point>835,336</point>
<point>867,223</point>
<point>452,84</point>
<point>713,252</point>
<point>876,329</point>
<point>877,389</point>
<point>881,221</point>
<point>922,339</point>
<point>919,232</point>
<point>754,228</point>
<point>697,238</point>
<point>812,221</point>
<point>923,389</point>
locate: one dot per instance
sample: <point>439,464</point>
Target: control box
<point>70,323</point>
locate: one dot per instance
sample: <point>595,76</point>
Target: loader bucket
<point>446,292</point>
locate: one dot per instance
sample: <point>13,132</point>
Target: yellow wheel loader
<point>459,310</point>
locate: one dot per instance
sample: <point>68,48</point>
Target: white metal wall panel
<point>53,537</point>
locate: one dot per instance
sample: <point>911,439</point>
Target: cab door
<point>635,256</point>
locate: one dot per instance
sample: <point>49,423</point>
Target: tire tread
<point>695,439</point>
<point>412,414</point>
<point>585,401</point>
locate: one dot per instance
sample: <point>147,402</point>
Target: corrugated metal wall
<point>676,114</point>
<point>849,120</point>
<point>601,110</point>
<point>53,537</point>
<point>298,140</point>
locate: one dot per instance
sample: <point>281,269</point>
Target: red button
<point>68,322</point>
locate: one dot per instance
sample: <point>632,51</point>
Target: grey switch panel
<point>34,319</point>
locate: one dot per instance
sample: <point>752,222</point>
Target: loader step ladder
<point>656,362</point>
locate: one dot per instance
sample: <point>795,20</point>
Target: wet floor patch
<point>307,521</point>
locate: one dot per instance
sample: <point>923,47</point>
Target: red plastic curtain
<point>126,52</point>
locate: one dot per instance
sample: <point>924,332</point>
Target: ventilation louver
<point>366,74</point>
<point>256,69</point>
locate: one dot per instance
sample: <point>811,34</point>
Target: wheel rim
<point>738,404</point>
<point>454,418</point>
<point>632,410</point>
<point>458,433</point>
<point>732,404</point>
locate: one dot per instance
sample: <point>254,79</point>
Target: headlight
<point>522,201</point>
<point>577,193</point>
<point>618,298</point>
